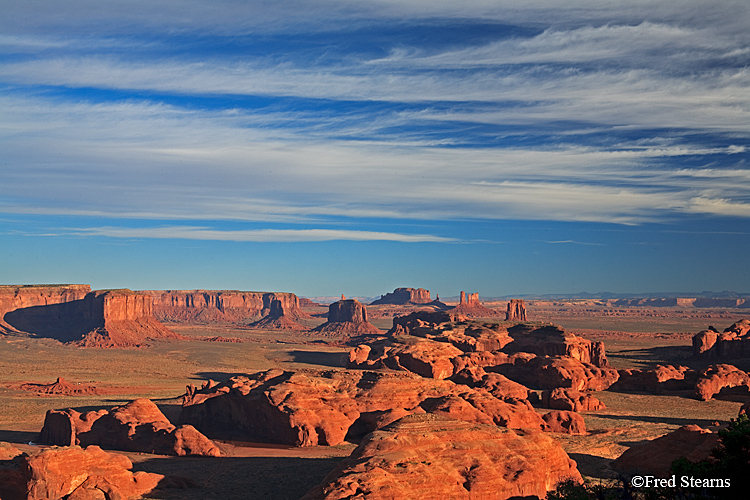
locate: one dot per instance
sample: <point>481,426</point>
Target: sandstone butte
<point>228,306</point>
<point>655,457</point>
<point>323,407</point>
<point>443,458</point>
<point>404,296</point>
<point>136,426</point>
<point>60,387</point>
<point>470,306</point>
<point>72,473</point>
<point>733,342</point>
<point>74,314</point>
<point>347,317</point>
<point>516,310</point>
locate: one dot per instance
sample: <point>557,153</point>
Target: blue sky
<point>327,147</point>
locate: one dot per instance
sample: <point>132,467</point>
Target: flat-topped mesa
<point>470,306</point>
<point>405,296</point>
<point>74,313</point>
<point>14,297</point>
<point>516,310</point>
<point>347,317</point>
<point>223,306</point>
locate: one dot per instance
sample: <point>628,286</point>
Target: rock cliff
<point>516,310</point>
<point>470,306</point>
<point>225,306</point>
<point>405,296</point>
<point>75,314</point>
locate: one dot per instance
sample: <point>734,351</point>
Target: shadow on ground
<point>237,478</point>
<point>330,359</point>
<point>593,466</point>
<point>17,436</point>
<point>658,420</point>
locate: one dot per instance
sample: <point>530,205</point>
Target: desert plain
<point>216,348</point>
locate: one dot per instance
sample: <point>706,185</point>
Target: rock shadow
<point>329,359</point>
<point>594,466</point>
<point>236,478</point>
<point>659,420</point>
<point>64,322</point>
<point>17,436</point>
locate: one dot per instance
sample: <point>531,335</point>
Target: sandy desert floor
<point>162,371</point>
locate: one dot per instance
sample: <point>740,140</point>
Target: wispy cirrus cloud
<point>256,235</point>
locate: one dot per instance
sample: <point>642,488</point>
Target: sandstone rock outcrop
<point>559,371</point>
<point>443,458</point>
<point>137,426</point>
<point>102,318</point>
<point>655,457</point>
<point>348,318</point>
<point>424,357</point>
<point>656,380</point>
<point>498,385</point>
<point>569,399</point>
<point>565,422</point>
<point>470,306</point>
<point>717,377</point>
<point>223,306</point>
<point>733,342</point>
<point>404,296</point>
<point>278,318</point>
<point>315,407</point>
<point>552,340</point>
<point>516,310</point>
<point>73,473</point>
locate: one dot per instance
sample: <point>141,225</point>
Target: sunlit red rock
<point>516,310</point>
<point>564,422</point>
<point>437,457</point>
<point>717,377</point>
<point>404,296</point>
<point>318,407</point>
<point>569,399</point>
<point>348,318</point>
<point>656,380</point>
<point>137,426</point>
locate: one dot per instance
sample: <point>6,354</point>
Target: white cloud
<point>257,235</point>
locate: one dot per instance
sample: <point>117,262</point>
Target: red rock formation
<point>498,385</point>
<point>657,380</point>
<point>552,340</point>
<point>655,457</point>
<point>223,306</point>
<point>74,474</point>
<point>717,377</point>
<point>516,310</point>
<point>424,357</point>
<point>734,342</point>
<point>404,296</point>
<point>137,426</point>
<point>13,297</point>
<point>559,371</point>
<point>446,326</point>
<point>310,408</point>
<point>569,399</point>
<point>104,318</point>
<point>565,422</point>
<point>470,306</point>
<point>60,387</point>
<point>436,457</point>
<point>278,318</point>
<point>348,318</point>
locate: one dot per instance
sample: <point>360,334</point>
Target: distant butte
<point>404,296</point>
<point>347,317</point>
<point>470,306</point>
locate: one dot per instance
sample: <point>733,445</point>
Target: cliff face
<point>232,306</point>
<point>471,307</point>
<point>347,318</point>
<point>516,310</point>
<point>73,313</point>
<point>402,296</point>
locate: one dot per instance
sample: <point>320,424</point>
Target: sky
<point>327,147</point>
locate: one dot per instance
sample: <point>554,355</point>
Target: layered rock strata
<point>436,458</point>
<point>226,306</point>
<point>516,310</point>
<point>733,342</point>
